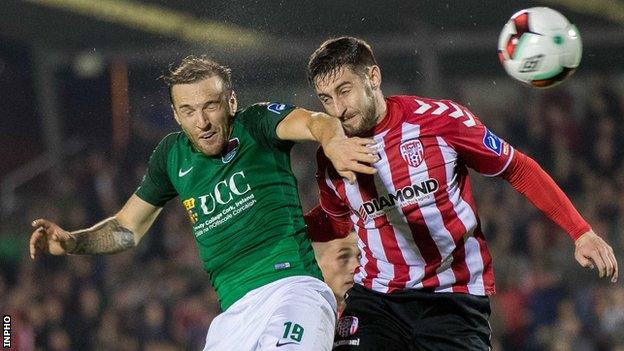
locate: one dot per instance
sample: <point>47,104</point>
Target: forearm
<point>324,128</point>
<point>106,237</point>
<point>528,178</point>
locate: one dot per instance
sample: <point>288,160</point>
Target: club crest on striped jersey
<point>412,152</point>
<point>347,326</point>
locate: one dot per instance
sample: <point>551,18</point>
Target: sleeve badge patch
<point>492,142</point>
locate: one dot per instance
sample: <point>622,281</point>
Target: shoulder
<point>263,108</point>
<point>436,113</point>
<point>419,105</point>
<point>169,140</point>
<point>166,144</point>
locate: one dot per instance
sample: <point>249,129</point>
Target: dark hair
<point>337,52</point>
<point>193,69</point>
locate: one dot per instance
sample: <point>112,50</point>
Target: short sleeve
<point>156,187</point>
<point>476,145</point>
<point>261,121</point>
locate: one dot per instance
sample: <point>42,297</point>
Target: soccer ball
<point>539,47</point>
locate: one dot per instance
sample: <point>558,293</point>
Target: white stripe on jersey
<point>475,265</point>
<point>432,216</point>
<point>474,261</point>
<point>396,217</point>
<point>373,237</point>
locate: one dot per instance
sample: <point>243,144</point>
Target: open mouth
<point>207,135</point>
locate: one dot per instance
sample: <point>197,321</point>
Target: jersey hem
<point>230,299</point>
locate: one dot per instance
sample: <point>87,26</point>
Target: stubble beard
<point>369,117</point>
<point>214,149</point>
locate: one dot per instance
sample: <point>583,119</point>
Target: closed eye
<point>187,111</point>
<point>211,105</point>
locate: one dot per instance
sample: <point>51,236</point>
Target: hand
<point>591,251</point>
<point>349,155</point>
<point>50,238</point>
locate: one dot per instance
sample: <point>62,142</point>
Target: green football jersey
<point>243,204</point>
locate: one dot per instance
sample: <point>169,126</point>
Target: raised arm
<point>348,155</point>
<point>115,234</point>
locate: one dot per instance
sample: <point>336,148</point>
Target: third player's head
<point>338,260</point>
<point>346,78</point>
<point>203,102</point>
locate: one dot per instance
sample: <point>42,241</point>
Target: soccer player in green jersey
<point>231,170</point>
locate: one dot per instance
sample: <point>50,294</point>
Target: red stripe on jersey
<point>388,237</point>
<point>371,269</point>
<point>415,220</point>
<point>437,170</point>
<point>488,273</point>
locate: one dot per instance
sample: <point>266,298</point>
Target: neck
<point>382,108</point>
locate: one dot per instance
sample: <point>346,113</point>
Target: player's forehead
<point>346,245</point>
<point>197,93</point>
<point>334,79</point>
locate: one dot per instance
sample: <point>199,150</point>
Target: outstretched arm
<point>348,155</point>
<point>528,178</point>
<point>112,235</point>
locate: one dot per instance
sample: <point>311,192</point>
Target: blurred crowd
<point>157,297</point>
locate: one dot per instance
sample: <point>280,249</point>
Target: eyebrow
<point>345,249</point>
<point>342,84</point>
<point>213,101</point>
<point>337,88</point>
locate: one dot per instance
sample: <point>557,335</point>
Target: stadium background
<point>81,109</point>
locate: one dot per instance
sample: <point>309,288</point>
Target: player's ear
<point>175,115</point>
<point>374,73</point>
<point>233,103</point>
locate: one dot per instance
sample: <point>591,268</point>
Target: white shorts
<point>294,313</point>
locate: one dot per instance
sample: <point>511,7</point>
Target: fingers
<point>584,262</point>
<point>41,223</point>
<point>362,168</point>
<point>366,158</point>
<point>604,255</point>
<point>361,145</point>
<point>363,141</point>
<point>611,256</point>
<point>34,239</point>
<point>591,250</point>
<point>349,176</point>
<point>599,262</point>
<point>616,273</point>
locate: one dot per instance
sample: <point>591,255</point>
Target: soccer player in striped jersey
<point>231,170</point>
<point>425,273</point>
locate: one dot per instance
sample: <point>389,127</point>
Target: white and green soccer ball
<point>539,47</point>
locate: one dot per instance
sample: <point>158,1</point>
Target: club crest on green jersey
<point>276,107</point>
<point>230,150</point>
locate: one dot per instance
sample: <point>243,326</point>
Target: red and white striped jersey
<point>416,218</point>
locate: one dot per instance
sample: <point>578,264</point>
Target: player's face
<point>205,111</point>
<point>338,264</point>
<point>349,96</point>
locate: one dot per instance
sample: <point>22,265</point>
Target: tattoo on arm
<point>106,237</point>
